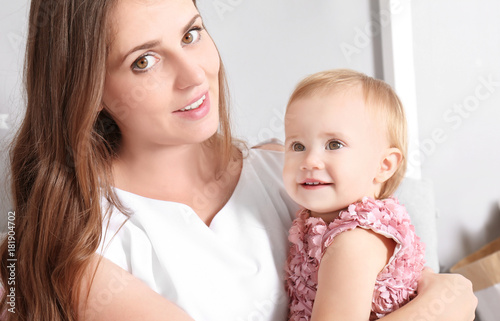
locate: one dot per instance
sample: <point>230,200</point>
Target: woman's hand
<point>448,297</point>
<point>441,297</point>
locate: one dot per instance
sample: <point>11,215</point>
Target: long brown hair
<point>61,158</point>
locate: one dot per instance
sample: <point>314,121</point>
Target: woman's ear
<point>389,164</point>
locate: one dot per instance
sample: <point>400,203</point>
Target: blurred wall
<point>457,66</point>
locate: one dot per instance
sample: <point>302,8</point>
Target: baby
<point>354,253</point>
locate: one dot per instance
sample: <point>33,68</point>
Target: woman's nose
<point>312,161</point>
<point>189,73</point>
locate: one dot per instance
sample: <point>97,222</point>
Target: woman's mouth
<point>194,105</point>
<point>196,110</point>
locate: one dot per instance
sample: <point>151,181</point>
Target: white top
<point>230,270</point>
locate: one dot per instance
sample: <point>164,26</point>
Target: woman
<point>126,115</point>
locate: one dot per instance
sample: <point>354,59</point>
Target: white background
<point>268,45</point>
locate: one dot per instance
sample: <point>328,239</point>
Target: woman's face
<point>162,74</point>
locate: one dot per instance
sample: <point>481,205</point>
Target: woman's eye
<point>145,63</point>
<point>298,147</point>
<point>334,144</point>
<point>192,36</point>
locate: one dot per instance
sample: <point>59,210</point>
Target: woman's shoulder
<point>266,164</point>
<point>268,155</point>
<point>264,167</point>
<point>271,144</point>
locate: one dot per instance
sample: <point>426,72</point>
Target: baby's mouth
<point>314,183</point>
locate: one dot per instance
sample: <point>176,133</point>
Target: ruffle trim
<point>310,236</point>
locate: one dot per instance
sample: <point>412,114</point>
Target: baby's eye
<point>144,63</point>
<point>334,144</point>
<point>192,36</point>
<point>298,147</point>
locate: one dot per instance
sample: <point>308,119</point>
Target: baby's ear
<point>389,164</point>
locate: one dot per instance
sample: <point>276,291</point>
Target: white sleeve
<point>115,234</point>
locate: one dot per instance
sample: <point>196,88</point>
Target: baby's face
<point>333,150</point>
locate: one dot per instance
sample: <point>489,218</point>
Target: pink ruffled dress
<point>396,284</point>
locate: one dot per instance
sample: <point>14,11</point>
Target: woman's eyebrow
<point>191,23</point>
<point>154,43</point>
<point>147,45</point>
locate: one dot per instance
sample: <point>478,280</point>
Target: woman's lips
<point>196,110</point>
<point>194,105</point>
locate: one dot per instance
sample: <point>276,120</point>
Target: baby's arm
<point>347,275</point>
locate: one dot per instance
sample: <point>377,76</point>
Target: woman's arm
<point>115,294</point>
<point>347,275</point>
<point>441,297</point>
